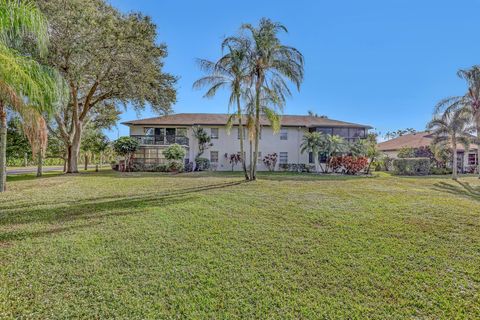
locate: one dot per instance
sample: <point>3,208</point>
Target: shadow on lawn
<point>460,189</point>
<point>90,210</point>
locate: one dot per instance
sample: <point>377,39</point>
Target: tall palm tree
<point>469,103</point>
<point>268,108</point>
<point>450,129</point>
<point>270,63</point>
<point>229,71</point>
<point>312,142</point>
<point>22,79</point>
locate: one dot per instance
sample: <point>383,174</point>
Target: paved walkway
<point>32,170</point>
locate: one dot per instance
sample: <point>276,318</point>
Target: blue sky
<point>382,63</point>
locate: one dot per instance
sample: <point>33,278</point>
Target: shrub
<point>411,166</point>
<point>233,159</point>
<point>189,167</point>
<point>296,167</point>
<point>174,152</point>
<point>270,161</point>
<point>175,166</point>
<point>349,164</point>
<point>160,167</point>
<point>202,164</point>
<point>440,171</point>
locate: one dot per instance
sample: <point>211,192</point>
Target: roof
<point>189,119</point>
<point>413,140</point>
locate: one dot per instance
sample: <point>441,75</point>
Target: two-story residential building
<point>155,134</point>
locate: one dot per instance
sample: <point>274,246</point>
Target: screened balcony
<point>161,140</point>
<point>163,137</point>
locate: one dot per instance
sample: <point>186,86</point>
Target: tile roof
<point>188,119</point>
<point>413,140</point>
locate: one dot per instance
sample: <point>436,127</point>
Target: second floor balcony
<point>161,140</point>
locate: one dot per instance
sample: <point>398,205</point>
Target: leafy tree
<point>230,71</point>
<point>109,59</point>
<point>312,142</point>
<point>22,78</point>
<point>204,140</point>
<point>126,147</point>
<point>269,64</point>
<point>94,144</point>
<point>175,152</point>
<point>450,129</point>
<point>17,144</point>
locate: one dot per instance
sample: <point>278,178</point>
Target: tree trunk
<point>370,166</point>
<point>74,149</point>
<point>253,174</point>
<point>86,162</point>
<point>240,127</point>
<point>455,160</point>
<point>101,159</point>
<point>25,160</point>
<point>3,147</point>
<point>315,160</point>
<point>251,156</point>
<point>40,163</point>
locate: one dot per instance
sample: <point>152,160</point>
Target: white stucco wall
<point>228,143</point>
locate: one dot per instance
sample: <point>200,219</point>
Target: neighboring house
<point>155,134</point>
<point>467,160</point>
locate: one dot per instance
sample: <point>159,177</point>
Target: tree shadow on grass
<point>58,218</point>
<point>460,188</point>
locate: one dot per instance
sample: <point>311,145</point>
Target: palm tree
<point>312,142</point>
<point>270,63</point>
<point>229,71</point>
<point>450,129</point>
<point>332,146</point>
<point>469,103</point>
<point>269,109</point>
<point>21,78</point>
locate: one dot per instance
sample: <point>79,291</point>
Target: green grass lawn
<point>112,245</point>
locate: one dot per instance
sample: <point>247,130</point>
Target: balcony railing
<point>161,140</point>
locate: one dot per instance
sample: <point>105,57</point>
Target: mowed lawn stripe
<point>208,245</point>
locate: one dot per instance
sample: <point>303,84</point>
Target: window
<point>149,131</point>
<point>357,133</point>
<point>342,132</point>
<point>283,159</point>
<point>325,130</point>
<point>472,159</point>
<point>181,132</point>
<point>283,134</point>
<point>214,133</point>
<point>310,157</point>
<point>213,156</point>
